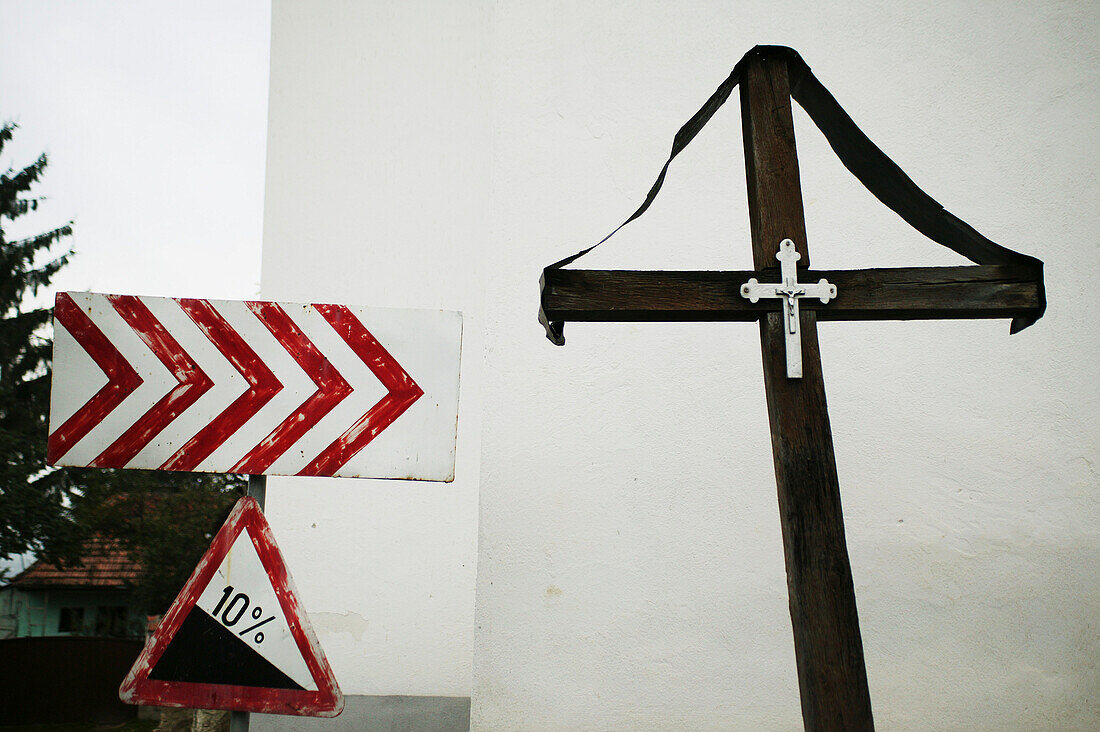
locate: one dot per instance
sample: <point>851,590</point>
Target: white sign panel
<point>254,387</point>
<point>241,599</point>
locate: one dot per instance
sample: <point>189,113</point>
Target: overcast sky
<point>154,117</point>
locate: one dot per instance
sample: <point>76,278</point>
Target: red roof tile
<point>104,565</point>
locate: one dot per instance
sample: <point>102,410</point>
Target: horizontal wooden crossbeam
<point>903,293</point>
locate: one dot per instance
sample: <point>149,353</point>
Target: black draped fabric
<point>877,172</point>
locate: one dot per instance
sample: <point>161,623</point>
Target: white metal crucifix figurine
<point>791,290</point>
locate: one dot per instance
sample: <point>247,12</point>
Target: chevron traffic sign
<point>254,387</point>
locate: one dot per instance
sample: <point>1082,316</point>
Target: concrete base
<point>389,713</point>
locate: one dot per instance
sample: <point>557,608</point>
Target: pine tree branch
<point>7,130</point>
<point>12,186</point>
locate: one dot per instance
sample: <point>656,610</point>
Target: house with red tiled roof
<point>92,599</point>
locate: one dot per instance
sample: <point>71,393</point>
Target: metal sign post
<point>249,388</point>
<point>257,488</point>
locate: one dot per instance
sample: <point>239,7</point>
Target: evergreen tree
<point>163,520</point>
<point>32,498</point>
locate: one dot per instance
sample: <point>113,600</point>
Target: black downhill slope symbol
<point>204,651</point>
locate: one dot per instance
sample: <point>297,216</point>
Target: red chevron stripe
<point>331,389</point>
<point>122,379</point>
<point>262,386</point>
<point>403,391</point>
<point>192,383</point>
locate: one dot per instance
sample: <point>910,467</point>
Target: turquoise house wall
<point>36,613</point>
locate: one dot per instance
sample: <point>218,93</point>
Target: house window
<point>111,621</point>
<point>71,620</point>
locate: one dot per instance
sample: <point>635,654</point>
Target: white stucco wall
<point>377,162</point>
<point>629,568</point>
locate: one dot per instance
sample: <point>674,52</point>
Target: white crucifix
<point>789,290</point>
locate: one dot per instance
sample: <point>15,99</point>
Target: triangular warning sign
<point>236,637</point>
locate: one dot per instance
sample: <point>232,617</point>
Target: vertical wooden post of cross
<point>828,650</point>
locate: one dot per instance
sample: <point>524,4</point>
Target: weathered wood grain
<point>828,649</point>
<point>904,293</point>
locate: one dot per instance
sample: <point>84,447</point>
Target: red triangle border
<point>326,701</point>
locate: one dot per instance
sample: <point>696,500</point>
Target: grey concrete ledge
<point>379,713</point>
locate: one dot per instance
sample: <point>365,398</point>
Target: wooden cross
<point>829,653</point>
